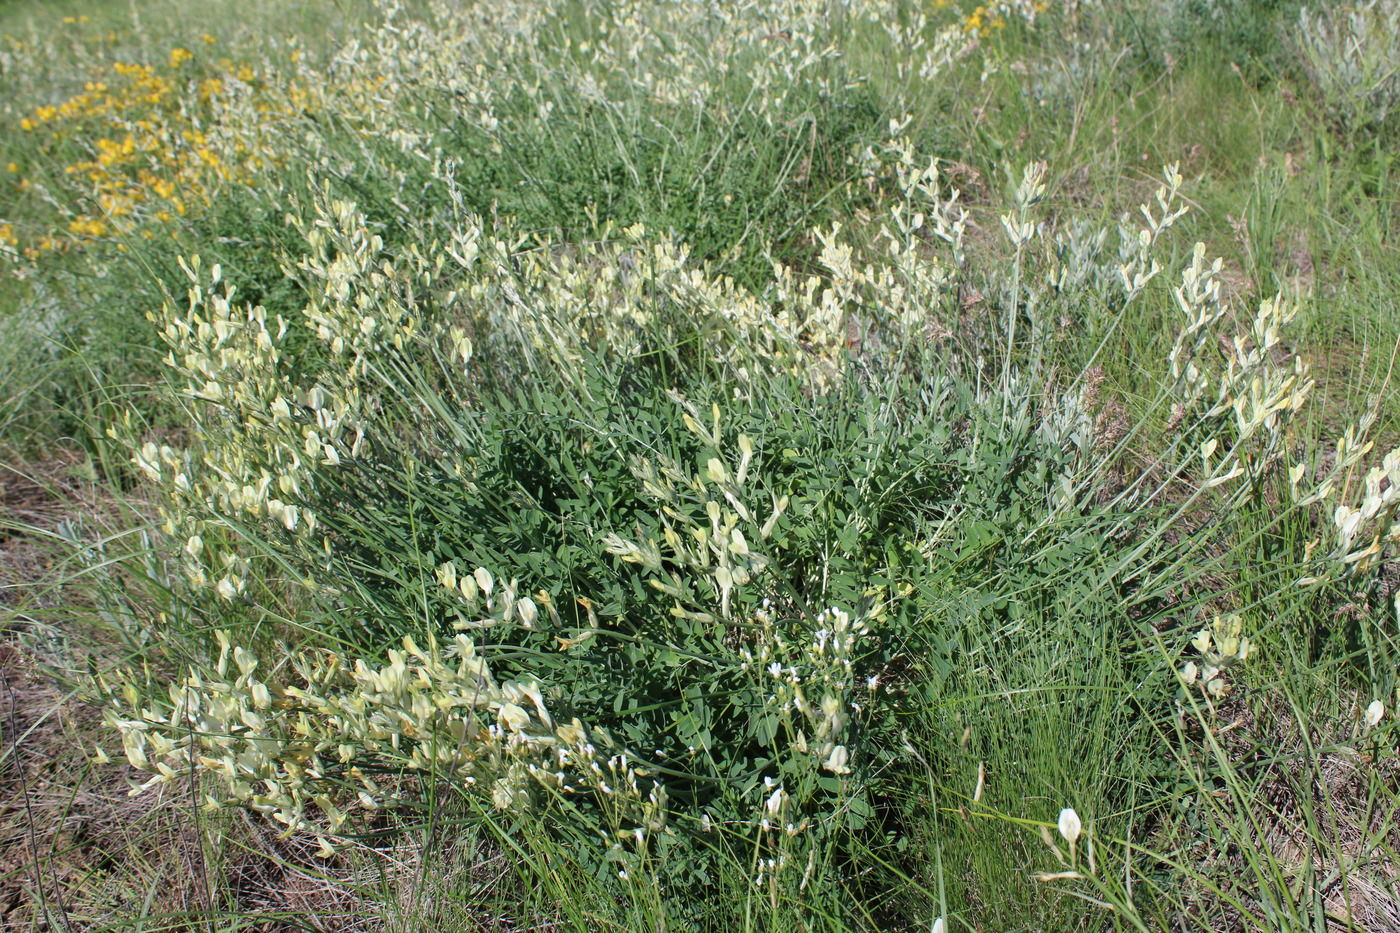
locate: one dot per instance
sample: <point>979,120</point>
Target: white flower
<point>1375,712</point>
<point>1070,826</point>
<point>247,661</point>
<point>513,717</point>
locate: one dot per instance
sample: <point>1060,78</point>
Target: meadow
<point>783,465</point>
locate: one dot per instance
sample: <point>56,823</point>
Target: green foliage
<point>1251,32</point>
<point>736,183</point>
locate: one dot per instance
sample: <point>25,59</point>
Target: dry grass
<point>1325,815</point>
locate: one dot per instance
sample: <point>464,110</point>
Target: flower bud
<point>1069,825</point>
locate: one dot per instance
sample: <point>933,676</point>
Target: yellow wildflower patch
<point>87,226</point>
<point>154,142</point>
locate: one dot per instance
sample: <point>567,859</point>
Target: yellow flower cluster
<point>987,18</point>
<point>87,226</point>
<point>984,20</point>
<point>149,144</point>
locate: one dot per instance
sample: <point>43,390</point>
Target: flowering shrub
<point>609,424</point>
<point>1353,57</point>
<point>601,421</point>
